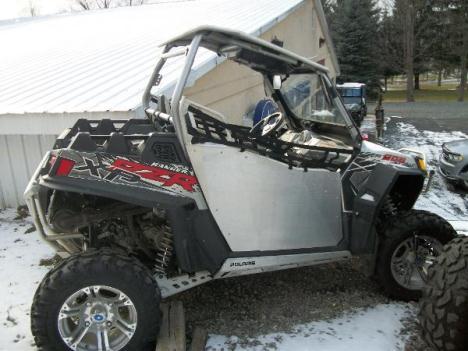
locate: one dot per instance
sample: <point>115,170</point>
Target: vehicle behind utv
<point>142,209</point>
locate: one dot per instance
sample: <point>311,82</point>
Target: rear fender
<point>125,179</point>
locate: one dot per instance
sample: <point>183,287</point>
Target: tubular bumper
<point>31,195</point>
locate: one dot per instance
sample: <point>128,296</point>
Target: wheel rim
<point>411,260</point>
<point>97,318</point>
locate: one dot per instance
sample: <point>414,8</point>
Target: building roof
<point>350,85</point>
<point>101,60</point>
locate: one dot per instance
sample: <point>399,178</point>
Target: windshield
<point>349,92</point>
<point>351,100</point>
<point>307,97</point>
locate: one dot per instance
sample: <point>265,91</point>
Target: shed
<point>57,69</point>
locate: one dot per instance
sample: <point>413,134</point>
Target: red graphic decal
<point>65,166</point>
<point>394,159</point>
<point>164,176</point>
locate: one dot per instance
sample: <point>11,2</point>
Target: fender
<point>385,180</point>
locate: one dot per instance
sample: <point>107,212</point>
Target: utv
<point>145,208</point>
<point>354,98</point>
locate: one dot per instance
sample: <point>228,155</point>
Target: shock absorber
<point>165,251</point>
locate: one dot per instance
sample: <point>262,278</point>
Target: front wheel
<point>97,300</point>
<point>410,243</point>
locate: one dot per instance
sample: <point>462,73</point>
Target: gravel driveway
<point>271,302</point>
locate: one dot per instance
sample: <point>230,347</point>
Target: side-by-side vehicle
<point>142,209</point>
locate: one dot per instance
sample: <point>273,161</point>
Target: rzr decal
<point>160,175</point>
<point>394,159</point>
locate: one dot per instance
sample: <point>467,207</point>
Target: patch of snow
<point>20,274</point>
<point>379,328</point>
<point>440,199</point>
<point>460,226</point>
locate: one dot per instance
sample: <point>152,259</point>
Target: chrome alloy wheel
<point>97,318</point>
<point>412,259</point>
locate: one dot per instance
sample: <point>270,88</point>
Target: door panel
<point>261,204</point>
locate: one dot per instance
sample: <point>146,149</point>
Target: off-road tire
<point>399,228</point>
<point>96,267</point>
<point>444,306</point>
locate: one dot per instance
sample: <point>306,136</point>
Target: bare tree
<point>409,49</point>
<point>32,8</point>
<point>104,4</point>
<point>84,4</point>
<point>463,49</point>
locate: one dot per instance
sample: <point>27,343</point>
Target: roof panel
<point>102,60</point>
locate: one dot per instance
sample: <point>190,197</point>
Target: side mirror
<point>277,82</point>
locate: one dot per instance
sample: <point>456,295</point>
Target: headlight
<point>453,157</point>
<point>421,164</point>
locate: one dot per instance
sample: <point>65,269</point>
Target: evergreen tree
<point>390,48</point>
<point>355,32</point>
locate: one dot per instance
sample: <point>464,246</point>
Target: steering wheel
<point>267,125</point>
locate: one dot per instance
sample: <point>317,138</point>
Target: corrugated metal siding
<point>101,60</point>
<point>19,157</point>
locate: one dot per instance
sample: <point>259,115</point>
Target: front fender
<point>400,183</point>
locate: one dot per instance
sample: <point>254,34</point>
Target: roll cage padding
<point>385,180</point>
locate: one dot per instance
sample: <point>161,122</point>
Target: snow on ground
<point>20,273</point>
<point>449,204</point>
<point>378,328</point>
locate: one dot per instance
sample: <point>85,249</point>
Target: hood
<point>382,154</point>
<point>352,107</point>
<point>457,146</point>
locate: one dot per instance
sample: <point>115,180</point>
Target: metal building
<point>57,69</point>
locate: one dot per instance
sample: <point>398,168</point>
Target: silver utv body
<point>273,215</point>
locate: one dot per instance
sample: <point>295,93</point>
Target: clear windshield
<point>351,100</point>
<point>307,97</point>
<point>350,92</point>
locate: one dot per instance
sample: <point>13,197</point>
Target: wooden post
<point>199,339</point>
<point>172,332</point>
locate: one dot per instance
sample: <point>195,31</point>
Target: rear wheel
<point>97,300</point>
<point>409,244</point>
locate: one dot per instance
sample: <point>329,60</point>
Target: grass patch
<point>428,92</point>
<point>423,95</point>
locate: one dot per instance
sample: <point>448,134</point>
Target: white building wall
<point>19,157</point>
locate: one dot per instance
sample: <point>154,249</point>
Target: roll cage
<point>260,55</point>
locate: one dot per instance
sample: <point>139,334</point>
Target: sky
<point>10,9</point>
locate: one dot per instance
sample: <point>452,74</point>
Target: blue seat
<point>264,108</point>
